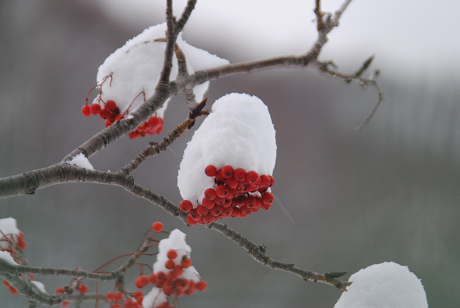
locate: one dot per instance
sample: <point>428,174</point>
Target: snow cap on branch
<point>154,298</point>
<point>136,67</point>
<point>9,227</point>
<point>5,255</point>
<point>81,161</point>
<point>238,132</point>
<point>384,285</point>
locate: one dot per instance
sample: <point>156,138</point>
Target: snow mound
<point>9,227</point>
<point>7,257</point>
<point>154,298</point>
<point>385,285</point>
<point>238,132</point>
<point>136,67</point>
<point>81,161</point>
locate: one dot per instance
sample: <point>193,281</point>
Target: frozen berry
<point>105,114</point>
<point>110,296</point>
<point>272,180</point>
<point>157,226</point>
<point>82,288</point>
<point>129,303</point>
<point>154,121</point>
<point>210,170</point>
<point>222,191</point>
<point>141,281</point>
<point>252,177</point>
<point>178,269</point>
<point>152,278</point>
<point>267,198</point>
<point>186,206</point>
<point>118,296</point>
<point>191,221</point>
<point>201,285</point>
<point>201,210</point>
<point>134,134</point>
<point>187,262</point>
<point>86,111</point>
<point>181,284</point>
<point>216,211</point>
<point>65,303</point>
<point>208,218</point>
<point>232,183</point>
<point>171,276</point>
<point>209,204</point>
<point>169,264</point>
<point>171,254</point>
<point>210,193</point>
<point>227,171</point>
<point>239,174</point>
<point>95,108</point>
<point>60,290</point>
<point>110,105</point>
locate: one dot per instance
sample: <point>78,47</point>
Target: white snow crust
<point>39,285</point>
<point>5,255</point>
<point>176,240</point>
<point>8,226</point>
<point>385,285</point>
<point>154,298</point>
<point>238,132</point>
<point>136,67</point>
<point>81,161</point>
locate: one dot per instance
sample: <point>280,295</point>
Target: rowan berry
<point>219,178</point>
<point>181,284</point>
<point>227,212</point>
<point>178,269</point>
<point>152,278</point>
<point>236,212</point>
<point>190,291</point>
<point>201,210</point>
<point>86,110</point>
<point>264,181</point>
<point>272,180</point>
<point>65,303</point>
<point>201,285</point>
<point>169,264</point>
<point>191,221</point>
<point>95,108</point>
<point>60,290</point>
<point>219,201</point>
<point>252,177</point>
<point>266,206</point>
<point>171,254</point>
<point>210,193</point>
<point>141,281</point>
<point>222,191</point>
<point>7,284</point>
<point>115,305</point>
<point>194,215</point>
<point>12,290</point>
<point>118,296</point>
<point>267,198</point>
<point>239,174</point>
<point>210,170</point>
<point>110,105</point>
<point>232,183</point>
<point>209,204</point>
<point>110,296</point>
<point>154,121</point>
<point>108,122</point>
<point>250,202</point>
<point>129,303</point>
<point>227,171</point>
<point>216,211</point>
<point>171,276</point>
<point>186,263</point>
<point>168,291</point>
<point>82,288</point>
<point>157,226</point>
<point>186,206</point>
<point>139,294</point>
<point>208,218</point>
<point>231,194</point>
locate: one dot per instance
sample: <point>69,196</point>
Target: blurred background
<point>346,199</point>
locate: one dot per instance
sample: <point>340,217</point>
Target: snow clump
<point>81,161</point>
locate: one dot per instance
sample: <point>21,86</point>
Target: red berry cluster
<point>111,114</point>
<point>237,193</point>
<point>170,282</point>
<point>114,298</point>
<point>18,241</point>
<point>82,288</point>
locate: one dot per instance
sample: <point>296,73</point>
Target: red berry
<point>141,281</point>
<point>272,180</point>
<point>181,284</point>
<point>236,212</point>
<point>264,181</point>
<point>219,178</point>
<point>186,263</point>
<point>12,290</point>
<point>267,198</point>
<point>201,210</point>
<point>194,215</point>
<point>266,206</point>
<point>171,276</point>
<point>129,303</point>
<point>110,105</point>
<point>65,303</point>
<point>209,204</point>
<point>232,183</point>
<point>115,305</point>
<point>110,296</point>
<point>227,212</point>
<point>60,290</point>
<point>210,193</point>
<point>250,202</point>
<point>153,278</point>
<point>178,269</point>
<point>171,254</point>
<point>227,171</point>
<point>139,294</point>
<point>219,201</point>
<point>169,264</point>
<point>191,221</point>
<point>21,235</point>
<point>105,114</point>
<point>222,191</point>
<point>208,218</point>
<point>154,121</point>
<point>157,226</point>
<point>201,285</point>
<point>252,177</point>
<point>160,278</point>
<point>6,283</point>
<point>134,134</point>
<point>86,110</point>
<point>82,288</point>
<point>239,174</point>
<point>118,296</point>
<point>210,170</point>
<point>108,122</point>
<point>95,108</point>
<point>186,206</point>
<point>216,211</point>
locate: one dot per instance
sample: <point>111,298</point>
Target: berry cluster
<point>111,113</point>
<point>82,288</point>
<point>18,241</point>
<point>170,282</point>
<point>236,193</point>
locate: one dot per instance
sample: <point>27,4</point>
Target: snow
<point>176,240</point>
<point>81,161</point>
<point>238,132</point>
<point>5,255</point>
<point>39,285</point>
<point>385,285</point>
<point>154,298</point>
<point>8,226</point>
<point>136,67</point>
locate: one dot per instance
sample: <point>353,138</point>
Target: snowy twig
<point>156,148</point>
